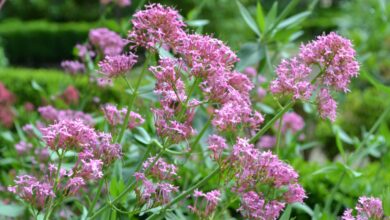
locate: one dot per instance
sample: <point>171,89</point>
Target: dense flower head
<point>91,169</point>
<point>33,191</point>
<point>335,56</point>
<point>84,50</point>
<point>23,147</point>
<point>267,141</point>
<point>174,118</point>
<point>68,134</point>
<point>74,184</point>
<point>217,144</point>
<point>367,208</point>
<point>51,114</point>
<point>292,122</point>
<point>116,116</point>
<point>73,67</point>
<point>103,148</point>
<point>328,63</point>
<point>70,95</point>
<point>205,203</point>
<point>106,41</point>
<point>254,206</point>
<point>206,55</point>
<point>292,78</point>
<point>250,71</point>
<point>117,65</point>
<point>161,169</point>
<point>157,26</point>
<point>326,105</point>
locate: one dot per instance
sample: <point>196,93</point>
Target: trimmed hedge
<point>43,43</point>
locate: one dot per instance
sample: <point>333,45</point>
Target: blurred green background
<point>36,35</point>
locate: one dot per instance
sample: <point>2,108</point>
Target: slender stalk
<point>328,202</point>
<point>185,193</point>
<point>279,136</point>
<point>101,182</point>
<point>272,121</point>
<point>132,99</point>
<point>128,189</point>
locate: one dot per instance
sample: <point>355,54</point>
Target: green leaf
<point>375,82</point>
<point>7,135</point>
<point>249,54</point>
<point>326,169</point>
<point>271,16</point>
<point>248,18</point>
<point>293,20</point>
<point>351,172</point>
<point>303,207</point>
<point>164,53</point>
<point>286,214</point>
<point>260,17</point>
<point>11,210</point>
<point>36,86</point>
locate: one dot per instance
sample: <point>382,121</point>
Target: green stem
<point>272,121</point>
<point>184,194</point>
<point>279,136</point>
<point>128,189</point>
<point>133,97</point>
<point>96,196</point>
<point>333,192</point>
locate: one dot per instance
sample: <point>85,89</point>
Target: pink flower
<point>68,135</point>
<point>32,191</point>
<point>367,208</point>
<point>267,141</point>
<point>295,193</point>
<point>74,184</point>
<point>118,65</point>
<point>292,122</point>
<point>84,50</point>
<point>6,97</point>
<point>50,114</point>
<point>156,26</point>
<point>107,42</point>
<point>217,144</point>
<point>335,56</point>
<point>70,95</point>
<point>91,169</point>
<point>116,117</point>
<point>73,67</point>
<point>292,79</point>
<point>164,191</point>
<point>250,71</point>
<point>23,147</point>
<point>161,169</point>
<point>253,206</point>
<point>326,105</point>
<point>207,204</point>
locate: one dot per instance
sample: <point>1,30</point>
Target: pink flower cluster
<point>206,60</point>
<point>153,194</point>
<point>205,203</point>
<point>254,170</point>
<point>156,26</point>
<point>95,150</point>
<point>23,147</point>
<point>70,95</point>
<point>174,118</point>
<point>32,191</point>
<point>106,42</point>
<point>73,67</point>
<point>217,145</point>
<point>292,122</point>
<point>51,114</point>
<point>334,56</point>
<point>367,208</point>
<point>116,116</point>
<point>118,65</point>
<point>6,101</point>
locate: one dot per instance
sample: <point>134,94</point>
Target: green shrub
<point>39,43</point>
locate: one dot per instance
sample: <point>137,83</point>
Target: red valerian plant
<point>199,73</point>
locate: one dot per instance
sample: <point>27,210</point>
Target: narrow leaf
<point>248,18</point>
<point>260,17</point>
<point>286,214</point>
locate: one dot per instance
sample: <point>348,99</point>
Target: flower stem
<point>272,121</point>
<point>184,194</point>
<point>128,189</point>
<point>132,99</point>
<point>96,196</point>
